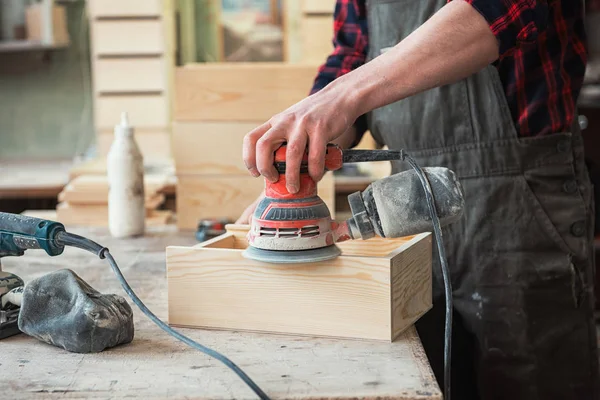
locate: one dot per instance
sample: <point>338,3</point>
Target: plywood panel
<point>144,111</point>
<point>119,75</point>
<point>213,285</point>
<point>318,6</point>
<point>251,92</point>
<point>214,196</point>
<point>124,8</point>
<point>128,37</point>
<point>317,35</point>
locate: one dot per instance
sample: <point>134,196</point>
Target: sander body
<point>298,227</point>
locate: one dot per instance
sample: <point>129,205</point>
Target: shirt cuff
<point>515,23</point>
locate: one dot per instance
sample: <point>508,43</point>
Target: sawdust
<point>402,206</point>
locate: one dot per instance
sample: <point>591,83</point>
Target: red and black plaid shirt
<point>542,60</point>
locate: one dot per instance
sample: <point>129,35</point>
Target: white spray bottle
<point>125,167</point>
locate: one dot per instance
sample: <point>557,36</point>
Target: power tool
<point>297,227</point>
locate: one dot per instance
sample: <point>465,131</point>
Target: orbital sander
<point>297,227</point>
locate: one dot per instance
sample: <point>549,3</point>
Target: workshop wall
<point>45,97</point>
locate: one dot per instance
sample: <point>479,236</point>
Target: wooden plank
<point>97,215</point>
<point>93,189</point>
<point>152,144</point>
<point>144,111</point>
<point>127,37</point>
<point>123,9</point>
<point>318,6</point>
<point>251,92</point>
<point>130,75</point>
<point>210,147</point>
<point>214,196</point>
<point>317,34</point>
<point>350,296</point>
<point>42,214</point>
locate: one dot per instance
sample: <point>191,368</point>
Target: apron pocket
<point>559,215</point>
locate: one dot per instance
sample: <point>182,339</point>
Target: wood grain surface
<point>156,366</point>
<point>93,189</point>
<point>247,92</point>
<point>213,196</point>
<point>210,147</point>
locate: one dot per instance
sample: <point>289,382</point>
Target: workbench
<point>156,365</point>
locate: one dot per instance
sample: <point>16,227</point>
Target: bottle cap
<point>124,129</point>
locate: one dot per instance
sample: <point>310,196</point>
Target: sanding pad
<point>292,256</point>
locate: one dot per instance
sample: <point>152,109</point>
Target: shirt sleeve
<point>513,22</point>
<point>350,48</point>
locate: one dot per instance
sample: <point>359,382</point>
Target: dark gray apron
<point>521,259</point>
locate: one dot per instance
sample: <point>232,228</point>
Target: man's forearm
<point>455,43</point>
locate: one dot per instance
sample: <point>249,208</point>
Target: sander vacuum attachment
<point>293,228</point>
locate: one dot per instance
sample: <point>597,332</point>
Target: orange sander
<point>294,228</point>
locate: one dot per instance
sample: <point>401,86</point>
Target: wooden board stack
<point>375,290</point>
<point>216,104</point>
<point>132,45</point>
<point>84,201</point>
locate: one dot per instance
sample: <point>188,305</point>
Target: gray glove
<point>63,310</point>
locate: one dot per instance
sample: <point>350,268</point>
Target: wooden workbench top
<point>156,366</point>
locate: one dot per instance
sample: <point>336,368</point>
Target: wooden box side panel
<point>411,283</point>
<point>251,92</point>
<point>214,196</point>
<point>210,147</point>
<point>219,288</point>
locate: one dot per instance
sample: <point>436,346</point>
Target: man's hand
<point>313,122</point>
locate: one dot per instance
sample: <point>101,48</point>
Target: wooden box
<point>374,290</point>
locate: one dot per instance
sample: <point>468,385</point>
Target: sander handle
<point>19,233</point>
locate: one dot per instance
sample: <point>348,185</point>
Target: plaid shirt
<point>542,59</point>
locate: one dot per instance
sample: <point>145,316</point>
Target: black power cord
<point>444,266</point>
<point>102,252</point>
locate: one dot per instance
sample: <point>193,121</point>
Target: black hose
<point>102,252</point>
